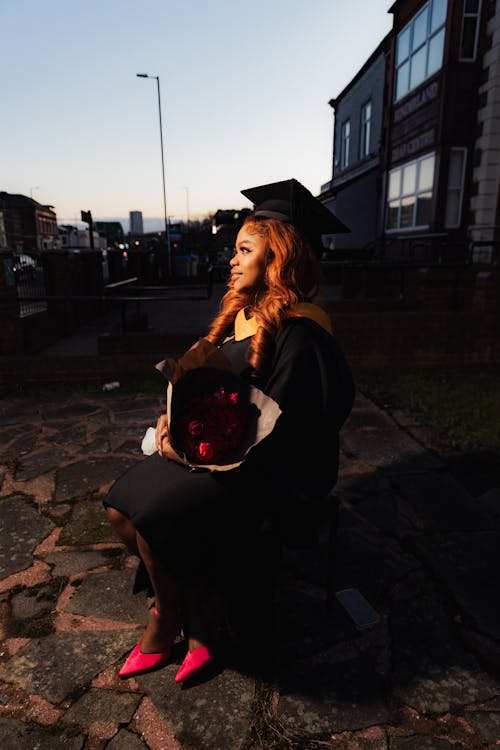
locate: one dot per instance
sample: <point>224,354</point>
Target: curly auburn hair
<point>292,275</point>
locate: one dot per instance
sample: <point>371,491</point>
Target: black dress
<point>199,523</point>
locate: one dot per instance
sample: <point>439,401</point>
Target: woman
<point>189,528</point>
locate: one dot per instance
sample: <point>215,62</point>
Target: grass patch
<point>462,408</point>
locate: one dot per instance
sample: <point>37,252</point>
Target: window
<point>365,129</point>
<point>455,191</point>
<point>419,47</point>
<point>470,30</point>
<point>345,138</point>
<point>409,195</point>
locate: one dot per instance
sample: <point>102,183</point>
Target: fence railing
<point>76,290</point>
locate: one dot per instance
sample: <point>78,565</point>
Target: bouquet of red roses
<point>214,417</point>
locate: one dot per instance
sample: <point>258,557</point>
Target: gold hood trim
<point>245,327</point>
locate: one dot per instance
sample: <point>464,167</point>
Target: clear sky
<point>244,92</point>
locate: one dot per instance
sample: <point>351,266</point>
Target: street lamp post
<point>167,228</point>
<point>187,206</point>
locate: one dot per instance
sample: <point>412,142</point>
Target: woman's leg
<point>204,610</point>
<point>124,528</point>
<point>160,631</point>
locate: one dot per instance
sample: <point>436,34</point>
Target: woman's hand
<point>162,442</point>
<point>161,432</point>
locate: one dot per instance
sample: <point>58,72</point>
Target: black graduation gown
<point>197,522</point>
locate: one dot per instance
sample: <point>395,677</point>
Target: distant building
<point>72,238</point>
<point>29,226</point>
<point>353,192</point>
<point>3,236</point>
<point>136,224</point>
<point>112,231</point>
<point>225,226</point>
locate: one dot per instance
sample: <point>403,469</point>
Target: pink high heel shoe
<point>139,663</point>
<point>193,663</point>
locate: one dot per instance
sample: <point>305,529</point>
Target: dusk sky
<point>244,89</point>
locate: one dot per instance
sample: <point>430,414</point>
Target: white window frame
<point>365,127</point>
<point>345,143</point>
<point>402,195</point>
<point>459,188</point>
<point>412,52</point>
<point>477,16</point>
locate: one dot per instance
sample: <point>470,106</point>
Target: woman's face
<point>249,262</point>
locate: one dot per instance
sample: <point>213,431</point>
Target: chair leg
<point>331,574</point>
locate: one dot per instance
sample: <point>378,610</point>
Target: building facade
<point>353,192</point>
<point>72,238</point>
<point>112,231</point>
<point>431,188</point>
<point>485,191</point>
<point>28,226</point>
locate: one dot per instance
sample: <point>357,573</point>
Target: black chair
<point>298,526</point>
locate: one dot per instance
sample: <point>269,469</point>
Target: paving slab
<point>371,435</point>
<point>96,446</point>
<point>69,563</point>
<point>82,477</point>
<point>61,664</point>
<point>87,524</point>
<point>131,446</point>
<point>491,501</point>
<point>210,715</point>
<point>33,603</point>
<point>391,514</point>
<point>24,410</point>
<point>22,528</point>
<point>419,742</point>
<point>75,409</point>
<point>20,446</point>
<point>486,724</point>
<point>323,696</point>
<point>151,403</point>
<point>125,740</point>
<point>35,464</point>
<point>371,562</point>
<point>423,634</point>
<point>468,564</point>
<point>17,735</point>
<point>122,431</point>
<point>441,502</point>
<point>9,433</point>
<point>102,705</point>
<point>448,688</point>
<point>143,417</point>
<point>109,595</point>
<point>75,435</point>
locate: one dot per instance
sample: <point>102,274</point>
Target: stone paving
<point>415,542</point>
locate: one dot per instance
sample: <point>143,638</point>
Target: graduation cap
<point>290,201</point>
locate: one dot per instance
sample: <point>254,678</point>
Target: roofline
<point>376,52</point>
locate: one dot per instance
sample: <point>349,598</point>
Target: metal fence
<point>29,280</point>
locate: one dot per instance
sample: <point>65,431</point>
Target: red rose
<point>195,427</point>
<point>205,451</point>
